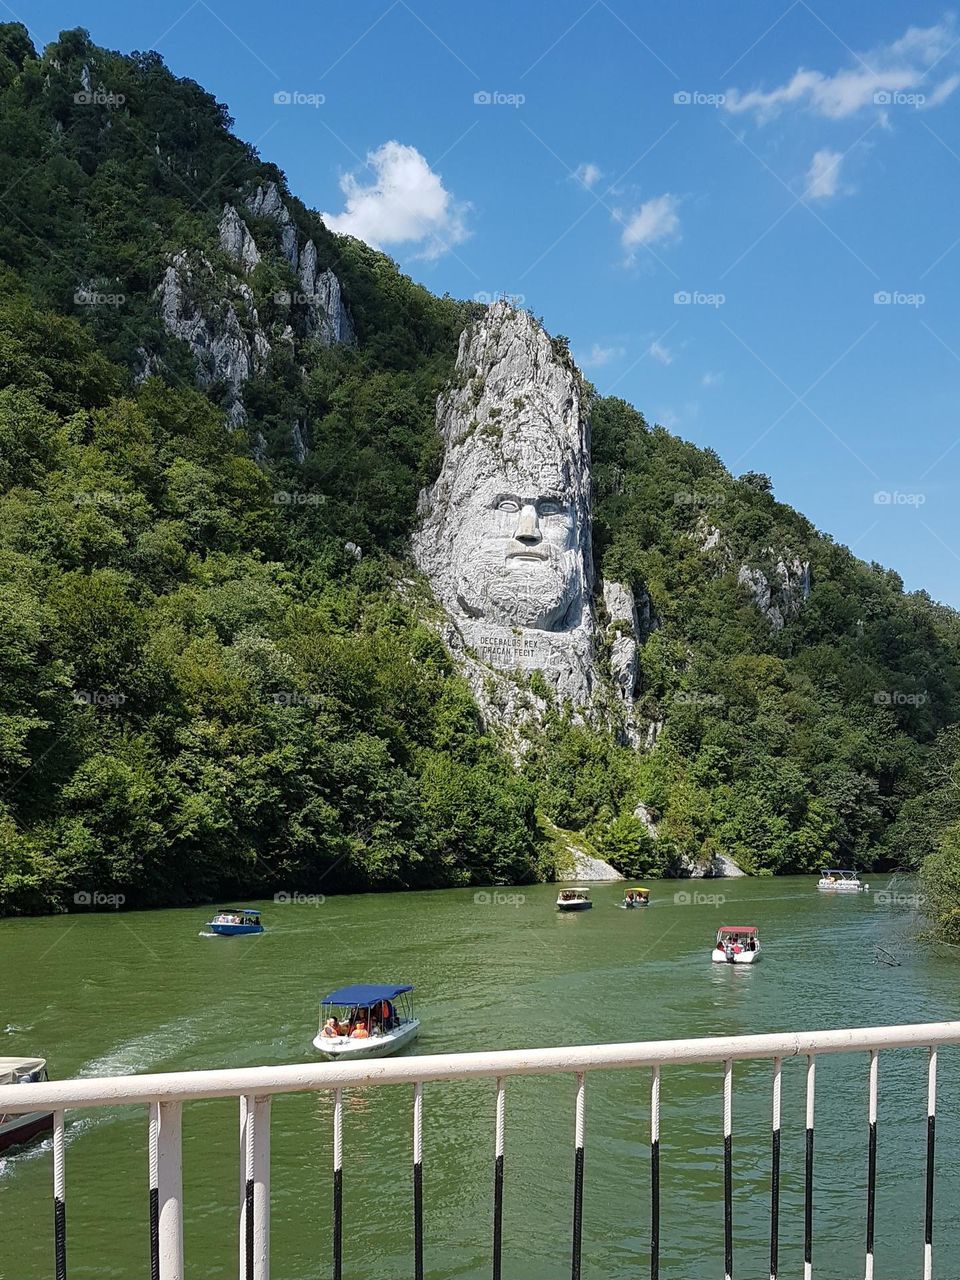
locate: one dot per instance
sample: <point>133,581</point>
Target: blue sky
<point>791,169</point>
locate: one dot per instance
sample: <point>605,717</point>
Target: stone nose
<point>528,525</point>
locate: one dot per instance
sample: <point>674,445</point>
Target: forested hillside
<point>205,690</point>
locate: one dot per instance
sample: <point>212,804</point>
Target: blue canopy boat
<point>231,921</point>
<point>366,1020</point>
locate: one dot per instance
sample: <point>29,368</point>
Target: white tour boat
<point>14,1127</point>
<point>737,944</point>
<point>575,899</point>
<point>838,881</point>
<point>366,1020</point>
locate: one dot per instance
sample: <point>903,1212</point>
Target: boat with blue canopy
<point>366,1020</point>
<point>230,922</point>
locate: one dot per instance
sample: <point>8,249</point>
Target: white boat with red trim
<point>737,944</point>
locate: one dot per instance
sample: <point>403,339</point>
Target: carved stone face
<point>517,552</point>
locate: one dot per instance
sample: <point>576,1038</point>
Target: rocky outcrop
<point>780,596</point>
<point>623,637</point>
<point>236,240</point>
<point>214,312</point>
<point>226,351</point>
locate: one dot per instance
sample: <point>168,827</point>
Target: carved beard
<point>521,593</point>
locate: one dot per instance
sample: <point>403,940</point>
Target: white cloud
<point>599,355</point>
<point>659,352</point>
<point>655,220</point>
<point>588,175</point>
<point>406,203</point>
<point>898,67</point>
<point>711,379</point>
<point>823,176</point>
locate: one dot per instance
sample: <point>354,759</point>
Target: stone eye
<point>549,508</point>
<point>508,504</point>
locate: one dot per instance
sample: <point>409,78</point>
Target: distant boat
<point>15,1128</point>
<point>737,944</point>
<point>366,1020</point>
<point>229,922</point>
<point>575,899</point>
<point>638,897</point>
<point>837,881</point>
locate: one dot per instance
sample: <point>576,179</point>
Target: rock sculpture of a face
<point>505,532</point>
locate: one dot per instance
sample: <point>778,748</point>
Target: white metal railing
<point>254,1087</point>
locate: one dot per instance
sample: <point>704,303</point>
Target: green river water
<point>113,993</point>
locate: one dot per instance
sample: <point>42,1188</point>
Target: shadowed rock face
<point>505,533</point>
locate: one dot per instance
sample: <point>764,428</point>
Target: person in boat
<point>331,1029</point>
<point>360,1031</point>
<point>386,1016</point>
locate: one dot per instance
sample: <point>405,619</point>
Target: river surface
<point>112,993</point>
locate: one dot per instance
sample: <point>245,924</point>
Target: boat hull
<point>343,1049</point>
<point>574,906</point>
<point>719,956</point>
<point>19,1129</point>
<point>840,888</point>
<point>234,930</point>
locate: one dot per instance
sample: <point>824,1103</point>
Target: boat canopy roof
<point>575,888</point>
<point>366,993</point>
<point>637,888</point>
<point>11,1068</point>
<point>838,871</point>
<point>238,911</point>
<point>737,928</point>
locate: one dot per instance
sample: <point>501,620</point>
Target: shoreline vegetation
<point>218,674</point>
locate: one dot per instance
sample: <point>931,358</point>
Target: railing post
<point>728,1170</point>
<point>655,1173</point>
<point>808,1172</point>
<point>255,1188</point>
<point>153,1158</point>
<point>170,1191</point>
<point>59,1198</point>
<point>498,1181</point>
<point>338,1184</point>
<point>418,1181</point>
<point>931,1144</point>
<point>578,1180</point>
<point>775,1172</point>
<point>871,1162</point>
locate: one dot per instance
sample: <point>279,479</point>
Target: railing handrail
<point>187,1086</point>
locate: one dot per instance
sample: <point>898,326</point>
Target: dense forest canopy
<point>204,690</point>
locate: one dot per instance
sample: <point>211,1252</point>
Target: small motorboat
<point>366,1020</point>
<point>737,944</point>
<point>15,1128</point>
<point>575,899</point>
<point>840,881</point>
<point>638,897</point>
<point>229,922</point>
